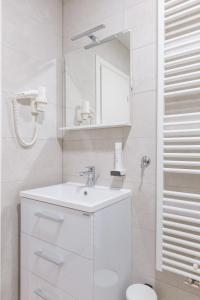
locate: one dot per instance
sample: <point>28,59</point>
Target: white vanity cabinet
<point>68,254</point>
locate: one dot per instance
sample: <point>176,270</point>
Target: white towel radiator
<point>178,162</point>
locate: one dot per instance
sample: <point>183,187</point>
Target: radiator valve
<point>193,283</point>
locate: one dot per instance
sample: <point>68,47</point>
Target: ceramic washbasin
<point>77,196</point>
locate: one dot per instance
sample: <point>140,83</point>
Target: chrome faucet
<point>90,173</point>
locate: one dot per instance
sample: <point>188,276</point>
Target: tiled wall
<point>96,147</point>
<point>32,44</point>
<point>32,49</point>
<point>0,127</point>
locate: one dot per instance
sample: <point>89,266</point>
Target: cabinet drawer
<point>66,228</point>
<point>62,268</point>
<point>34,288</point>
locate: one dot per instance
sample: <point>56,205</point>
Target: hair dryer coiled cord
<point>21,140</point>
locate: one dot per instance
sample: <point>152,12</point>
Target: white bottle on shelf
<point>118,162</point>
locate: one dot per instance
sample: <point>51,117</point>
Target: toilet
<point>140,292</point>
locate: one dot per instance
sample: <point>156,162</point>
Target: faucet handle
<point>87,170</point>
<point>90,173</point>
<point>90,168</point>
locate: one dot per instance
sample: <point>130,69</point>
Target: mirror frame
<point>98,124</point>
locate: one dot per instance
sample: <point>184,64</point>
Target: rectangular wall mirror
<point>98,84</point>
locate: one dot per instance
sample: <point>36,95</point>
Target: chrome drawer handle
<point>45,215</point>
<point>41,294</point>
<point>53,260</point>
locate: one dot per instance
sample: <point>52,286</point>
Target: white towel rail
<point>177,39</point>
<point>181,163</point>
<point>178,210</point>
<point>179,264</point>
<point>182,202</point>
<point>174,68</point>
<point>182,226</point>
<point>182,14</point>
<point>181,249</point>
<point>183,77</point>
<point>182,22</point>
<point>171,3</point>
<point>185,84</point>
<point>184,45</point>
<point>181,241</point>
<point>179,132</point>
<point>182,155</point>
<point>181,210</point>
<point>182,30</point>
<point>182,6</point>
<point>182,194</point>
<point>182,139</point>
<point>184,56</point>
<point>196,114</point>
<point>182,123</point>
<point>180,272</point>
<point>179,201</point>
<point>193,91</point>
<point>182,147</point>
<point>181,171</point>
<point>181,218</point>
<point>179,256</point>
<point>179,233</point>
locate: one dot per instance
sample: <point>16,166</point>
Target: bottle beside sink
<point>75,243</point>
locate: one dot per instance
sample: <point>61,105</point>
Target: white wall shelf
<point>97,126</point>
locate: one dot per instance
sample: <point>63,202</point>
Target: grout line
<point>145,91</point>
<point>63,93</point>
<point>113,139</point>
<point>39,139</point>
<point>153,43</point>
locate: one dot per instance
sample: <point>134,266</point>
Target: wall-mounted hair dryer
<point>38,102</point>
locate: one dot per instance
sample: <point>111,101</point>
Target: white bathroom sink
<point>77,196</point>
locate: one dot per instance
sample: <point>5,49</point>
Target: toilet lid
<point>140,292</point>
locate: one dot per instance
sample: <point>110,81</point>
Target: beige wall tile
<point>129,3</point>
<point>143,255</point>
<point>22,71</point>
<point>40,160</point>
<point>144,115</point>
<point>77,155</point>
<point>142,19</point>
<point>169,292</point>
<point>31,21</point>
<point>144,206</point>
<point>144,69</point>
<point>78,13</point>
